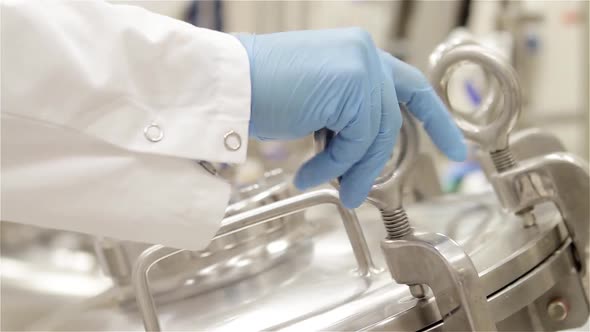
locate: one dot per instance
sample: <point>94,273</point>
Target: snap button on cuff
<point>232,140</point>
<point>153,133</point>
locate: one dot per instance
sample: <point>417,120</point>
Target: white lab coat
<point>81,82</point>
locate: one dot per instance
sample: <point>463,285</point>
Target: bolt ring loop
<point>491,99</point>
<point>492,136</point>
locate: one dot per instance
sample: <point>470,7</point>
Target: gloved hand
<point>303,81</point>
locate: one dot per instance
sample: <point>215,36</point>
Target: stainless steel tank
<point>511,259</point>
<point>42,270</point>
<point>319,286</point>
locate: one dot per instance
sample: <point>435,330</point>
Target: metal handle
<point>242,221</point>
<point>494,135</point>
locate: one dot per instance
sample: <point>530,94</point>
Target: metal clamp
<point>494,136</point>
<point>242,221</point>
<point>521,184</point>
<point>439,262</point>
<point>525,144</point>
<point>534,142</point>
<point>416,259</point>
<point>558,177</point>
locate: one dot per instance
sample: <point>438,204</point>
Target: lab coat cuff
<point>215,131</point>
<point>229,138</point>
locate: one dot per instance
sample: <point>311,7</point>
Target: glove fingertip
<point>351,201</point>
<point>451,143</point>
<point>300,181</point>
<point>352,196</point>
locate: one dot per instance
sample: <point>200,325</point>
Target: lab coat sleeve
<point>105,110</point>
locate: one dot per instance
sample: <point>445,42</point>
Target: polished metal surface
<point>45,273</point>
<point>464,264</point>
<point>424,260</point>
<point>434,260</point>
<point>42,270</point>
<point>537,173</point>
<point>492,136</point>
<point>491,101</point>
<point>114,261</point>
<point>524,144</point>
<point>243,221</point>
<point>317,286</point>
<point>534,142</point>
<point>117,257</point>
<point>423,182</point>
<point>553,278</point>
<point>273,186</point>
<point>559,177</point>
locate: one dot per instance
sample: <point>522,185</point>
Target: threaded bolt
<point>396,223</point>
<point>397,226</point>
<point>503,159</point>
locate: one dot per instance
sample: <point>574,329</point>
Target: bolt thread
<point>503,159</point>
<point>396,223</point>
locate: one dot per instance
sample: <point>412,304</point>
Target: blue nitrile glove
<point>303,81</point>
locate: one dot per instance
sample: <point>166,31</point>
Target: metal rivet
<point>153,133</point>
<point>557,310</point>
<point>232,140</point>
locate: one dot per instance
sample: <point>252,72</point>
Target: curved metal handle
<point>387,189</point>
<point>494,135</point>
<point>242,221</point>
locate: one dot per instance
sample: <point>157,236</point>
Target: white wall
<point>273,16</point>
<point>172,8</point>
<point>557,89</point>
<point>553,74</point>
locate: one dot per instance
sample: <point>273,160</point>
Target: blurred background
<point>547,42</point>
